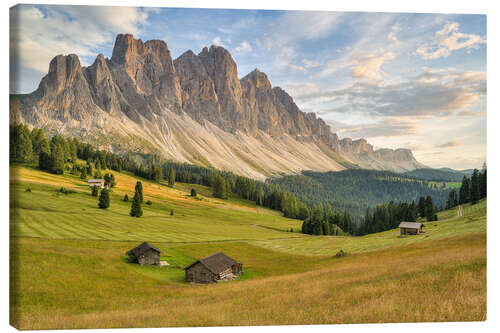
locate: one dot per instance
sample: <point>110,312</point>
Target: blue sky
<point>414,81</point>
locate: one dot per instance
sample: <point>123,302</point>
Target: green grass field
<point>68,266</point>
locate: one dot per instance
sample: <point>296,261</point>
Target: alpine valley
<point>193,109</point>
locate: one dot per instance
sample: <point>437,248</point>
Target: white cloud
<point>300,89</point>
<point>218,42</point>
<point>244,47</point>
<point>291,28</point>
<point>38,33</point>
<point>447,40</point>
<point>369,67</point>
<point>387,127</point>
<point>310,63</point>
<point>427,94</point>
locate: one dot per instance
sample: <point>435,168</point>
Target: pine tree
<point>429,208</point>
<point>474,187</point>
<point>452,199</point>
<point>21,148</point>
<point>138,189</point>
<point>95,191</point>
<point>44,161</point>
<point>57,160</point>
<point>219,187</point>
<point>193,192</point>
<point>464,191</point>
<point>482,183</point>
<point>39,142</point>
<point>83,173</point>
<point>125,197</point>
<point>421,207</point>
<point>104,198</point>
<point>171,177</point>
<point>136,209</point>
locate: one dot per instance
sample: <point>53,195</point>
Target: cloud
<point>286,32</point>
<point>244,47</point>
<point>389,127</point>
<point>218,42</point>
<point>427,94</point>
<point>447,40</point>
<point>38,33</point>
<point>369,66</point>
<point>303,88</point>
<point>449,144</point>
<point>310,63</point>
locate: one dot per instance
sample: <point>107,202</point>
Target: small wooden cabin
<point>96,182</point>
<point>145,254</point>
<point>411,228</point>
<point>215,268</point>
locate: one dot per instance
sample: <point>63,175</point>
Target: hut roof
<point>95,180</point>
<point>216,262</point>
<point>137,251</point>
<point>411,225</point>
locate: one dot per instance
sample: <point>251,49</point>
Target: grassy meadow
<point>68,265</point>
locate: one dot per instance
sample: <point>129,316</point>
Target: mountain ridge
<point>191,109</point>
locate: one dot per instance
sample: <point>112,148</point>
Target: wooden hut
<point>96,182</point>
<point>215,268</point>
<point>411,228</point>
<point>145,254</point>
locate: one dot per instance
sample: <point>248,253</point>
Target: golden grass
<point>441,280</point>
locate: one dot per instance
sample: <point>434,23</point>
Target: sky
<point>414,81</point>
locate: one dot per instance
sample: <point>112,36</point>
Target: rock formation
<point>192,109</point>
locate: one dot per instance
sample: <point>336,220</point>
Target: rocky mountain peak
<point>63,72</point>
<point>258,79</point>
<point>192,109</point>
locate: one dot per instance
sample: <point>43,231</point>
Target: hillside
<point>357,190</point>
<point>439,175</point>
<point>193,109</point>
<point>69,271</point>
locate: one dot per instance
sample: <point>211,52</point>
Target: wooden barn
<point>215,268</point>
<point>96,182</point>
<point>411,228</point>
<point>145,254</point>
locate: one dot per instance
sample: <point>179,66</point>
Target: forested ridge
<point>356,190</point>
<point>438,175</point>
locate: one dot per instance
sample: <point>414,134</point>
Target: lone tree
<point>171,177</point>
<point>138,189</point>
<point>104,199</point>
<point>136,210</point>
<point>193,192</point>
<point>95,191</point>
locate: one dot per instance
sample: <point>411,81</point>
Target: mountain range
<point>193,109</point>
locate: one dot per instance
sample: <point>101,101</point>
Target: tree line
<point>357,190</point>
<point>471,190</point>
<point>59,155</point>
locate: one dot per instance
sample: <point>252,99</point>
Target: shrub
<point>149,202</point>
<point>95,191</point>
<point>171,212</point>
<point>66,191</point>
<point>125,198</point>
<point>193,192</point>
<point>28,190</point>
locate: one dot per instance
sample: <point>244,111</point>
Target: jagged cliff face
<point>192,109</point>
